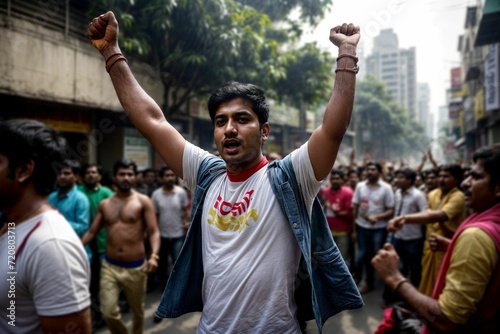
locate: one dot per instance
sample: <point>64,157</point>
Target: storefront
<point>72,122</point>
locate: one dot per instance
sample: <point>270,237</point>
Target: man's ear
<point>24,171</point>
<point>264,131</point>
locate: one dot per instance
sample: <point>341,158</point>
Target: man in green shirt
<point>91,177</point>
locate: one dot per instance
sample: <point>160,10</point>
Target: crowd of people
<point>381,218</point>
<point>421,226</point>
<point>256,242</point>
<point>371,202</point>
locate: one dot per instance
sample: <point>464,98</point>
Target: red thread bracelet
<point>343,55</point>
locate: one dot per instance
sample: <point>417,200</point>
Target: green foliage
<point>199,45</point>
<point>278,10</point>
<point>308,75</point>
<point>392,133</point>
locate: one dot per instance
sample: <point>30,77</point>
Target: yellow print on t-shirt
<point>234,217</point>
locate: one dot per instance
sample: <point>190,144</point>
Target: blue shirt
<point>75,207</point>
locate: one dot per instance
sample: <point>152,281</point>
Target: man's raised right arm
<point>142,110</point>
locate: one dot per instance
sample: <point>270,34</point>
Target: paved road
<point>364,320</point>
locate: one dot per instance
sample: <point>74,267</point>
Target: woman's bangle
<point>155,256</point>
<point>398,285</point>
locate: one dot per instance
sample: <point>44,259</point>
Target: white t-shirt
<point>411,202</point>
<point>170,208</point>
<point>372,200</point>
<point>250,254</point>
<point>51,276</point>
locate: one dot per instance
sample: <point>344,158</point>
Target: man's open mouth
<point>231,143</point>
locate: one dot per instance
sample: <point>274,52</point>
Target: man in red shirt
<point>337,205</point>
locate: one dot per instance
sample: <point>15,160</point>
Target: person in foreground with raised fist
<point>467,290</point>
<point>258,256</point>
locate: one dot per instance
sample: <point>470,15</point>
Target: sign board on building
<point>136,148</point>
<point>479,104</point>
<point>450,148</point>
<point>198,108</point>
<point>454,108</point>
<point>456,79</point>
<point>491,78</point>
<point>469,120</point>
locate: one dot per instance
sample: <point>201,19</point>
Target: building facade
<point>424,115</point>
<point>396,68</point>
<point>49,71</point>
<point>475,91</point>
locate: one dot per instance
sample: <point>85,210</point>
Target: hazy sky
<point>431,26</point>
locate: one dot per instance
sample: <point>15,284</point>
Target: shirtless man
<point>127,216</point>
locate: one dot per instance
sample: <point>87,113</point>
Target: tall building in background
<point>396,68</point>
<point>430,126</point>
<point>423,98</point>
<point>424,115</point>
<point>442,121</point>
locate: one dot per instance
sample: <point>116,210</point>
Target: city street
<point>361,321</point>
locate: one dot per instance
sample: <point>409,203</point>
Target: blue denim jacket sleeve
<point>332,288</point>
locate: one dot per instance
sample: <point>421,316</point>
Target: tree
<point>197,45</point>
<point>384,128</point>
<point>279,10</point>
<point>308,79</point>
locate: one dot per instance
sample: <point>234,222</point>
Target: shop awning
<point>489,27</point>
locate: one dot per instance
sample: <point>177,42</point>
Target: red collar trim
<point>243,176</point>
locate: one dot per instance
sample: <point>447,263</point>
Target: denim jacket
<point>324,285</point>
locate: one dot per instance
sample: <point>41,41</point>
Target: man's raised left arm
<point>325,141</point>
